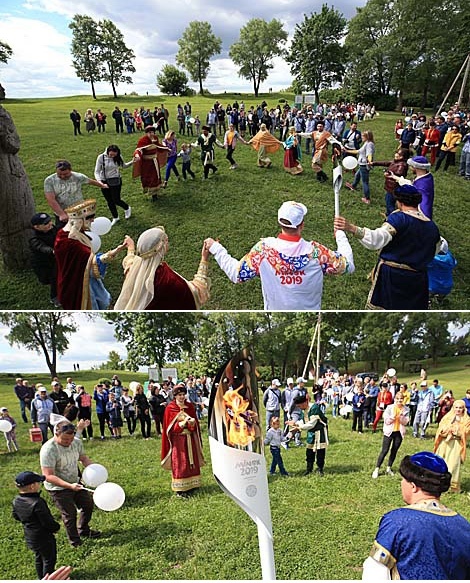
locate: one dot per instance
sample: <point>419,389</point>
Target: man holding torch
<point>291,269</point>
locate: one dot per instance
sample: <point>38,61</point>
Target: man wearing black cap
<point>41,246</point>
<point>424,540</point>
<point>206,142</point>
<point>59,464</point>
<point>38,523</point>
<point>408,241</point>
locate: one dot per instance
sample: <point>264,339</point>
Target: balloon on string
<point>407,118</point>
<point>391,372</point>
<point>192,120</point>
<point>101,225</point>
<point>94,475</point>
<point>5,426</point>
<point>345,410</point>
<point>400,131</point>
<point>95,241</point>
<point>109,496</point>
<point>350,162</point>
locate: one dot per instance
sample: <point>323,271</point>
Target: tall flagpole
<point>317,367</point>
<point>312,343</point>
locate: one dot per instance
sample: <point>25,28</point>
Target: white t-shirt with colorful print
<point>291,269</point>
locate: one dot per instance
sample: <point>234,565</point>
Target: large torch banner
<point>236,447</point>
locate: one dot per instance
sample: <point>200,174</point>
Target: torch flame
<point>239,419</point>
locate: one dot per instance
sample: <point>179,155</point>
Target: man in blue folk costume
<point>408,240</point>
<point>424,540</point>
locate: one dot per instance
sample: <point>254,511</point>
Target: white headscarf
<point>138,289</point>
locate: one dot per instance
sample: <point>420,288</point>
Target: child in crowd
<point>38,523</point>
<point>440,275</point>
<point>185,155</point>
<point>10,436</point>
<point>275,438</point>
<point>41,246</point>
<point>113,408</point>
<point>197,125</point>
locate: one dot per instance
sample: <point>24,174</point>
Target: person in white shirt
<point>291,269</point>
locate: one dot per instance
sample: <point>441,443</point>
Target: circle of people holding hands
<point>412,254</point>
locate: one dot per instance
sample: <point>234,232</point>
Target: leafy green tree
<point>5,52</point>
<point>114,361</point>
<point>259,43</point>
<point>172,81</point>
<point>115,55</point>
<point>316,55</point>
<point>45,332</point>
<point>86,50</point>
<point>153,338</point>
<point>196,47</point>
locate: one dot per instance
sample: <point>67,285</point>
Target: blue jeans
<point>277,461</point>
<point>362,174</point>
<point>389,203</point>
<point>464,169</point>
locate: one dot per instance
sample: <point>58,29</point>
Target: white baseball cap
<point>276,382</point>
<point>290,381</point>
<point>291,214</point>
<point>301,380</point>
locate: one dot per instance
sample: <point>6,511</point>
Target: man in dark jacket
<point>38,523</point>
<point>398,167</point>
<point>41,245</point>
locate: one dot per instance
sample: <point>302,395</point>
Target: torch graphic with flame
<point>236,448</point>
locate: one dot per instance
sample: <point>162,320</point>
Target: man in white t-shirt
<point>291,269</point>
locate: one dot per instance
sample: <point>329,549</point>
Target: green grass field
<point>237,206</point>
<point>323,527</point>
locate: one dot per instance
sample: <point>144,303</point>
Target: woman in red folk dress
<point>182,444</point>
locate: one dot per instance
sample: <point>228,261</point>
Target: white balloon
<point>391,372</point>
<point>94,475</point>
<point>95,241</point>
<point>350,162</point>
<point>5,426</point>
<point>101,225</point>
<point>407,118</point>
<point>109,496</point>
<point>400,131</point>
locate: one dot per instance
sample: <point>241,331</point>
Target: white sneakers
<point>127,213</point>
<point>114,221</point>
<point>388,471</point>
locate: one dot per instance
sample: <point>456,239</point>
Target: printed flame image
<point>240,420</point>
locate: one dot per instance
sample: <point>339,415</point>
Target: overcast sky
<point>38,33</point>
<point>89,346</point>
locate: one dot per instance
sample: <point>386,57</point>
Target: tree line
<point>200,343</point>
<point>389,50</point>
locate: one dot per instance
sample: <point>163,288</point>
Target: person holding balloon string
<point>80,267</point>
<point>365,157</point>
<point>7,426</point>
<point>59,459</point>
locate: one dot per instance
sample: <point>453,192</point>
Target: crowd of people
<point>411,251</point>
<point>292,412</point>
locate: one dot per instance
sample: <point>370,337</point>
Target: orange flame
<point>240,420</point>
